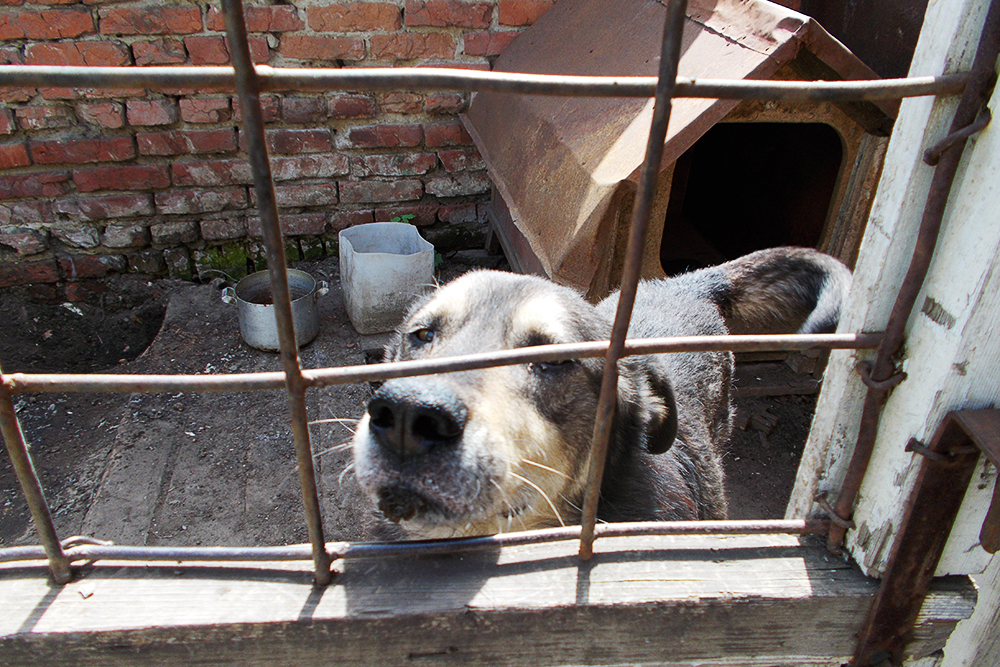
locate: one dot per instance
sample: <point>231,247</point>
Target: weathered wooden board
<point>746,600</point>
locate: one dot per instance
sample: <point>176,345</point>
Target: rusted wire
<point>864,369</point>
<point>933,154</point>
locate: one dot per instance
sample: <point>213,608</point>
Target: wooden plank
<point>681,600</point>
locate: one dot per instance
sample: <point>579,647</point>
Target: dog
<point>507,448</point>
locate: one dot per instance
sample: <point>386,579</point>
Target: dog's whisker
<point>348,468</point>
<point>543,494</point>
<point>546,468</point>
<point>336,448</point>
<point>336,420</point>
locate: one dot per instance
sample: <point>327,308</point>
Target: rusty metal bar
<point>275,79</point>
<point>343,550</point>
<point>670,55</point>
<point>24,383</point>
<point>882,369</point>
<point>248,87</point>
<point>31,487</point>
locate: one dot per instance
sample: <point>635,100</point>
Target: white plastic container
<point>384,266</point>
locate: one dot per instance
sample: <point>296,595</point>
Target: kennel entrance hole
<point>747,186</point>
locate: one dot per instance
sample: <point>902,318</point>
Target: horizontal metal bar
<point>21,383</point>
<point>274,79</point>
<point>341,550</point>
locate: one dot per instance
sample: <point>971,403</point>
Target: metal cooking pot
<point>255,305</point>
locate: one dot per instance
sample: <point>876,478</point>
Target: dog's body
<point>507,448</point>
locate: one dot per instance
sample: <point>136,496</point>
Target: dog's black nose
<point>411,417</point>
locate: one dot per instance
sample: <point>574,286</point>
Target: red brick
<point>357,192</point>
<point>45,24</point>
<point>461,160</point>
<point>446,133</point>
<point>458,214</point>
<point>215,172</point>
<point>107,206</point>
<point>43,117</point>
<point>161,20</point>
<point>461,184</point>
<point>423,214</point>
<point>386,136</point>
<point>322,49</point>
<point>448,13</point>
<point>79,267</point>
<point>223,230</point>
<point>77,236</point>
<point>174,233</point>
<point>292,142</point>
<point>400,102</point>
<point>91,54</point>
<point>27,273</point>
<point>82,150</point>
<point>45,184</point>
<point>106,114</point>
<point>305,109</point>
<point>178,202</point>
<point>270,109</point>
<point>27,212</point>
<point>412,46</point>
<point>298,196</point>
<point>125,236</point>
<point>14,155</point>
<point>159,52</point>
<point>523,12</point>
<point>151,112</point>
<point>179,142</point>
<point>347,105</point>
<point>125,177</point>
<point>279,18</point>
<point>343,219</point>
<point>303,224</point>
<point>25,240</point>
<point>445,103</point>
<point>207,110</point>
<point>398,164</point>
<point>354,17</point>
<point>207,50</point>
<point>7,125</point>
<point>310,166</point>
<point>488,43</point>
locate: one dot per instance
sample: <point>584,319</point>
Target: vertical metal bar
<point>248,86</point>
<point>930,225</point>
<point>17,448</point>
<point>673,30</point>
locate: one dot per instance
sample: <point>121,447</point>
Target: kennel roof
<point>558,163</point>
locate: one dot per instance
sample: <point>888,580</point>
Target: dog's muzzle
<point>412,418</point>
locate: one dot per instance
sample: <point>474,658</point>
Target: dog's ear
<point>663,418</point>
<point>646,400</point>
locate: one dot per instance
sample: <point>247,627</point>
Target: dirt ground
<point>219,469</point>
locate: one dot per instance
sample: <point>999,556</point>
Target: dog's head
<point>505,448</point>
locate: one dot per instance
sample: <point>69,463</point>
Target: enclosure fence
<point>250,80</point>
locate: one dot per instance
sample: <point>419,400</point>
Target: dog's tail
<point>778,290</point>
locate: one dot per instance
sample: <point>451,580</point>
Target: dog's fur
<point>507,448</point>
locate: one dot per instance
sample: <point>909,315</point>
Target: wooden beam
<point>671,600</point>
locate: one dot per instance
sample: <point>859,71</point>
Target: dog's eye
<point>423,335</point>
<point>552,365</point>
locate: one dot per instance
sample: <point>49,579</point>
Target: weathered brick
<point>27,273</point>
<point>160,20</point>
<point>77,236</point>
<point>89,54</point>
<point>25,240</point>
<point>358,192</point>
<point>159,52</point>
<point>310,166</point>
<point>43,117</point>
<point>45,24</point>
<point>305,109</point>
<point>179,142</point>
<point>178,263</point>
<point>148,262</point>
<point>125,236</point>
<point>45,184</point>
<point>270,109</point>
<point>7,125</point>
<point>448,13</point>
<point>423,214</point>
<point>348,105</point>
<point>292,142</point>
<point>412,46</point>
<point>207,49</point>
<point>385,136</point>
<point>206,110</point>
<point>27,212</point>
<point>151,112</point>
<point>76,151</point>
<point>401,102</point>
<point>458,213</point>
<point>125,177</point>
<point>223,229</point>
<point>107,206</point>
<point>522,12</point>
<point>450,103</point>
<point>14,154</point>
<point>354,17</point>
<point>302,224</point>
<point>296,196</point>
<point>488,43</point>
<point>212,172</point>
<point>343,219</point>
<point>396,164</point>
<point>105,114</point>
<point>79,267</point>
<point>174,233</point>
<point>461,160</point>
<point>446,133</point>
<point>460,184</point>
<point>277,18</point>
<point>321,48</point>
<point>185,202</point>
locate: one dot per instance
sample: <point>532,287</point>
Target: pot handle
<point>322,287</point>
<point>229,295</point>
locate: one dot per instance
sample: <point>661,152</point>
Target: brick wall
<point>97,181</point>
